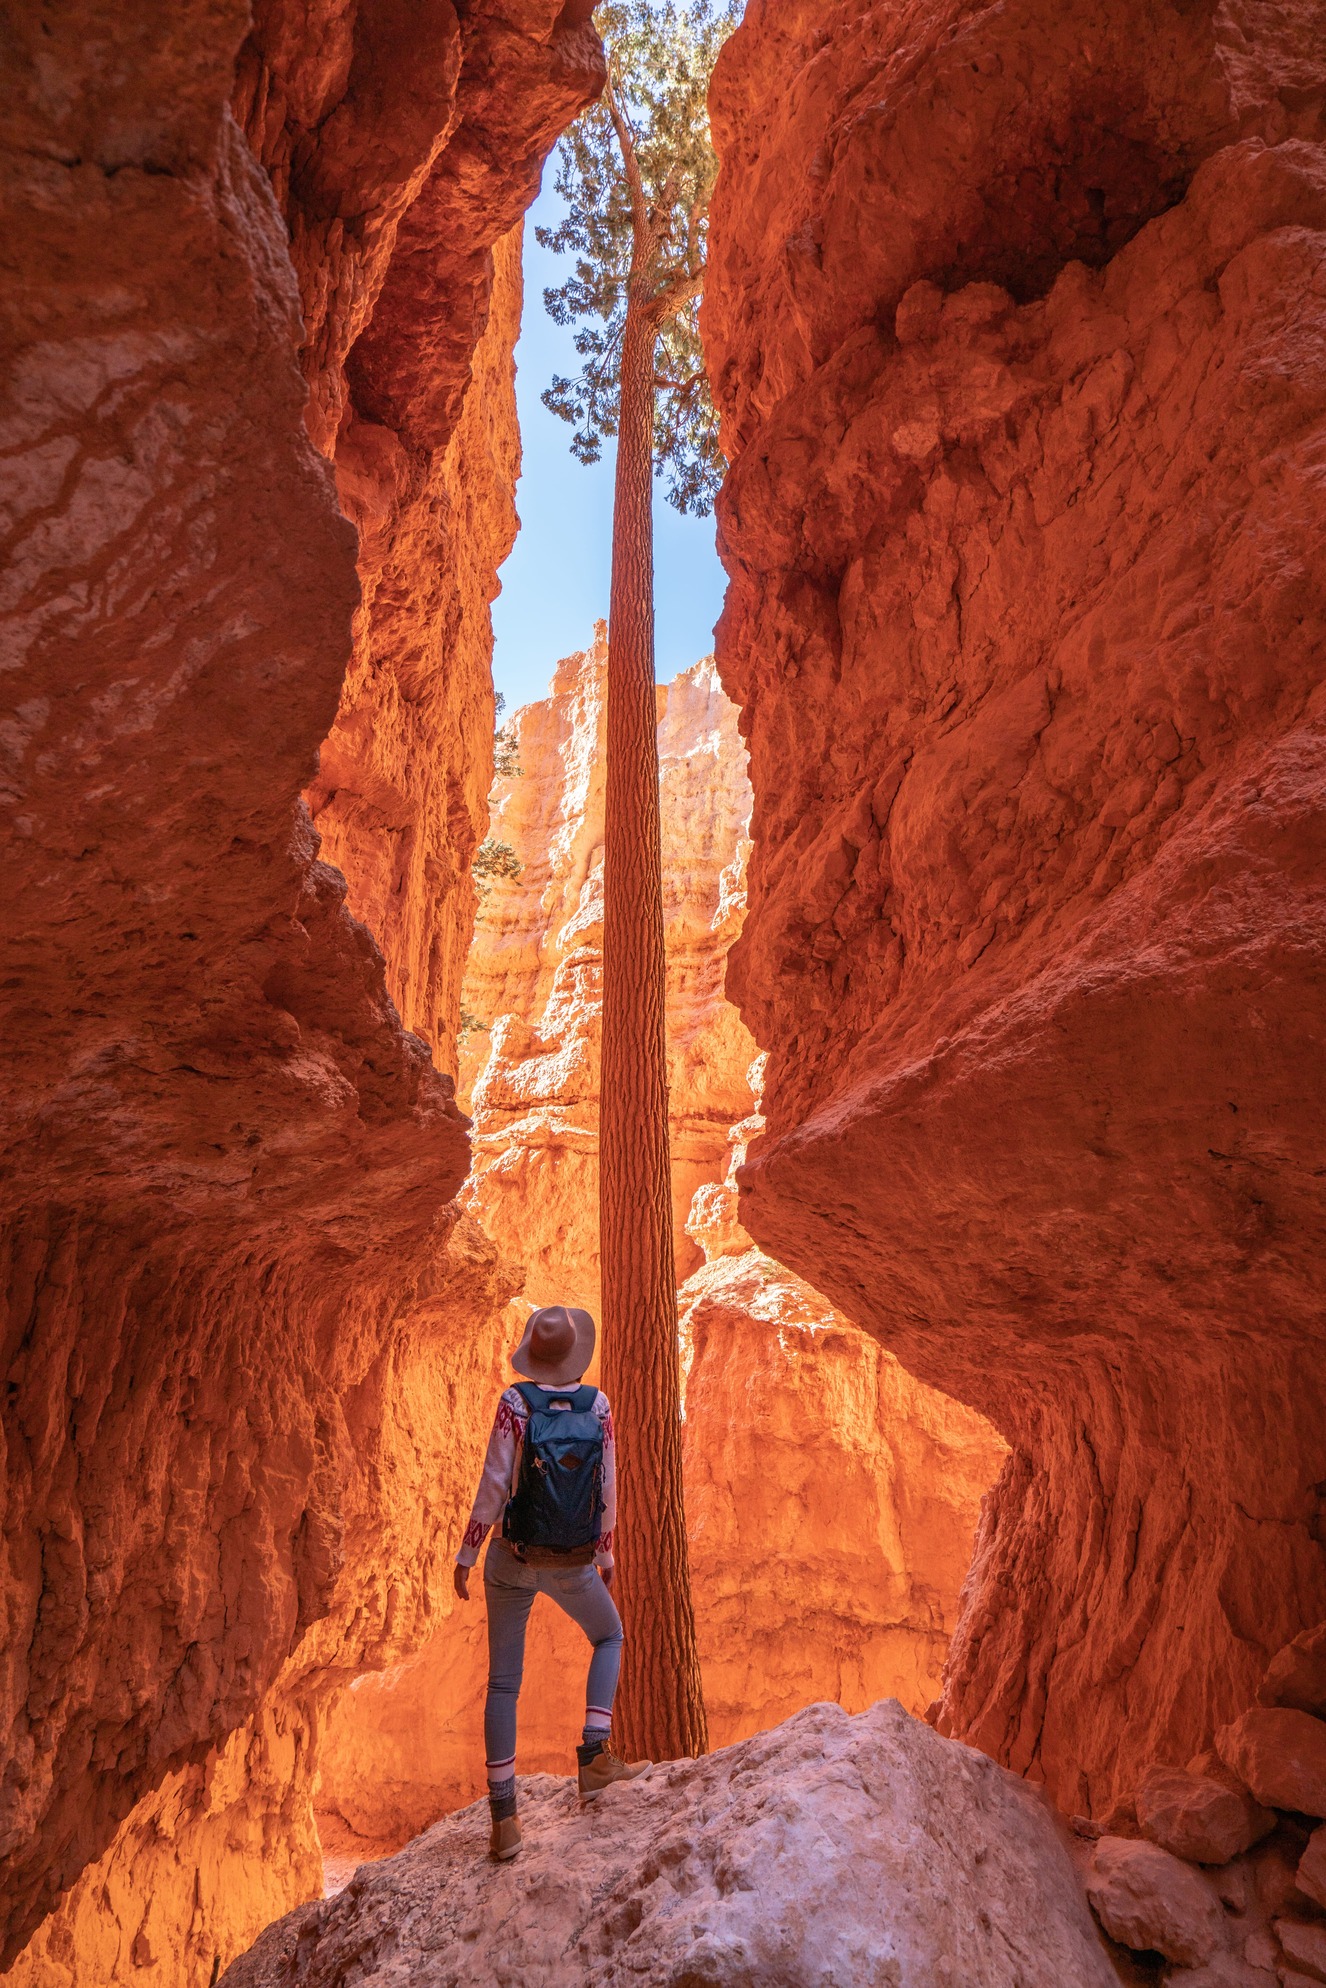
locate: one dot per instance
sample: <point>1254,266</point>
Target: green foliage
<point>493,859</point>
<point>650,251</point>
<point>505,766</point>
<point>470,1025</point>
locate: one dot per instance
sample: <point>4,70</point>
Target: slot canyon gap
<point>1016,322</point>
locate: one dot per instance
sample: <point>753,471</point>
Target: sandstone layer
<point>227,1243</point>
<point>404,144</point>
<point>831,1499</point>
<point>533,983</point>
<point>833,1849</point>
<point>831,1502</point>
<point>1015,315</point>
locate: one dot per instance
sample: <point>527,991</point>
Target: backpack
<point>556,1510</point>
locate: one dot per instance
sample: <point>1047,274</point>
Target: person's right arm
<point>499,1469</point>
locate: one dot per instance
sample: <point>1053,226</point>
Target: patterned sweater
<point>501,1468</point>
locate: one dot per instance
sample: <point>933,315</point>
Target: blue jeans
<point>509,1588</point>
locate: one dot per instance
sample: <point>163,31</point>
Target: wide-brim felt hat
<point>568,1335</point>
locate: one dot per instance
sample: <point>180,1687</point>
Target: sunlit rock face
<point>831,1499</point>
<point>831,1502</point>
<point>404,145</point>
<point>229,1256</point>
<point>1015,318</point>
<point>534,978</point>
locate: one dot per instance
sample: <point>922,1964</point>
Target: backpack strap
<point>535,1396</point>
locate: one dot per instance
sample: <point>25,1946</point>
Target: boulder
<point>1274,1868</point>
<point>1281,1754</point>
<point>832,1849</point>
<point>1297,1675</point>
<point>1304,1947</point>
<point>1199,1818</point>
<point>1225,1971</point>
<point>1311,1874</point>
<point>1151,1901</point>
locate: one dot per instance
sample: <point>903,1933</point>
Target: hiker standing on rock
<point>550,1476</point>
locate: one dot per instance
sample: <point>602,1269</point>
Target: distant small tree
<point>506,762</point>
<point>636,172</point>
<point>494,859</point>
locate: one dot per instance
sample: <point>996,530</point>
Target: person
<point>556,1539</point>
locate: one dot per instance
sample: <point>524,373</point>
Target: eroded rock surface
<point>1015,317</point>
<point>832,1849</point>
<point>1199,1817</point>
<point>831,1502</point>
<point>533,983</point>
<point>404,145</point>
<point>228,1165</point>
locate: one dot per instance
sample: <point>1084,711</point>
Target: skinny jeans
<point>509,1588</point>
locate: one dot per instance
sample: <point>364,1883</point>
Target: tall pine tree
<point>636,173</point>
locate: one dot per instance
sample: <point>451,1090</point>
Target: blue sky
<point>555,583</point>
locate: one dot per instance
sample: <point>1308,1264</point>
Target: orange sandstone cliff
<point>228,1246</point>
<point>1015,315</point>
<point>533,988</point>
<point>831,1498</point>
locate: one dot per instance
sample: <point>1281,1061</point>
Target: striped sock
<point>502,1798</point>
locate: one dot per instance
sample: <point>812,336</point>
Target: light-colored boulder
<point>1311,1874</point>
<point>1281,1754</point>
<point>832,1850</point>
<point>1149,1900</point>
<point>1199,1818</point>
<point>1304,1947</point>
<point>1296,1676</point>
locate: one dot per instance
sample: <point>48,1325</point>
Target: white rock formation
<point>833,1852</point>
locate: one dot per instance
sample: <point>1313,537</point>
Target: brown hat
<point>557,1347</point>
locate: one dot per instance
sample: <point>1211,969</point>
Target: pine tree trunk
<point>660,1708</point>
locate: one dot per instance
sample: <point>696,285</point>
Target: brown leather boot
<point>602,1769</point>
<point>506,1840</point>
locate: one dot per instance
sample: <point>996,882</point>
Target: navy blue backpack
<point>555,1513</point>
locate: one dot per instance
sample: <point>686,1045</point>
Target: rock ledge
<point>831,1849</point>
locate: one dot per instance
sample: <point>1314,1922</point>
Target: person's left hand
<point>608,1574</point>
<point>460,1581</point>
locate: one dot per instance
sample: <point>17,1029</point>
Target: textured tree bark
<point>660,1708</point>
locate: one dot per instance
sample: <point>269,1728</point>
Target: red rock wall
<point>1016,319</point>
<point>227,1163</point>
<point>404,144</point>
